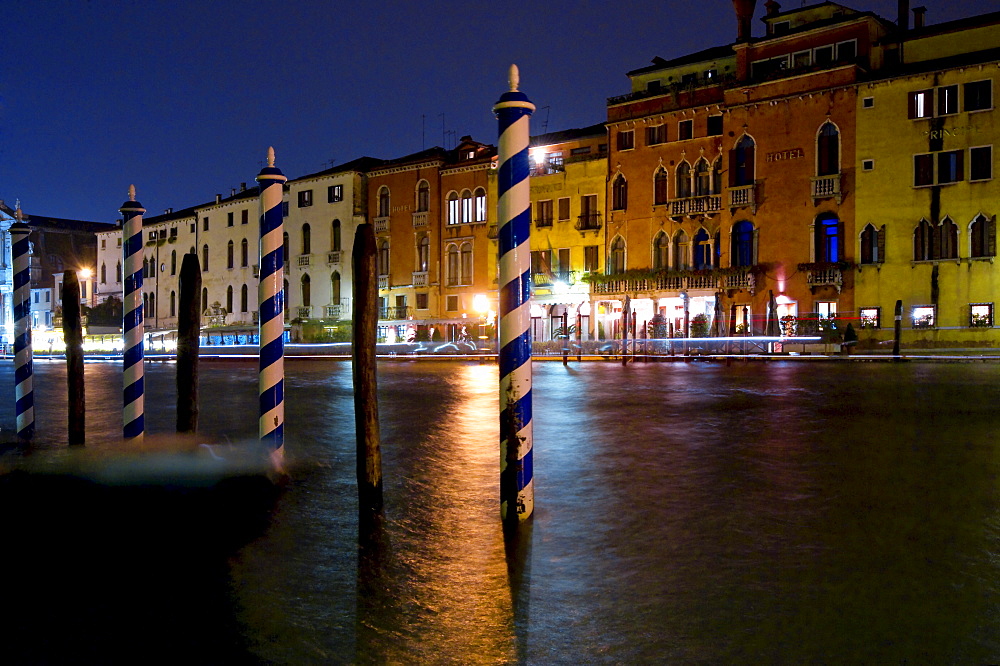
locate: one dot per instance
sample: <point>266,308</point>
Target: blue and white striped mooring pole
<point>24,396</point>
<point>271,296</point>
<point>132,324</point>
<point>514,220</point>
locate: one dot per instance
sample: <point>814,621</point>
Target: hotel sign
<point>793,154</point>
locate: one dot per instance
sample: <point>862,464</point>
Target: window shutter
<point>881,244</point>
<point>991,237</point>
<point>935,242</point>
<point>753,255</point>
<point>732,168</point>
<point>751,174</point>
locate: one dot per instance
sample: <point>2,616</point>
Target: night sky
<point>183,98</point>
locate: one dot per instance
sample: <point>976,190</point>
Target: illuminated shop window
<point>871,317</point>
<point>981,315</point>
<point>924,316</point>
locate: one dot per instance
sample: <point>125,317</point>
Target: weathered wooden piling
<point>73,335</point>
<point>188,345</point>
<point>365,324</point>
<point>896,330</point>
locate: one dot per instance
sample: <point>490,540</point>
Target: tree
<point>107,313</point>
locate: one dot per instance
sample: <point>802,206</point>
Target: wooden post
<point>896,331</point>
<point>365,323</point>
<point>73,335</point>
<point>188,330</point>
<point>579,335</point>
<point>565,329</point>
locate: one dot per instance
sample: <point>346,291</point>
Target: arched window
<point>244,253</point>
<point>827,150</point>
<point>145,267</point>
<point>335,236</point>
<point>454,268</point>
<point>949,239</point>
<point>661,252</point>
<point>828,245</point>
<point>204,257</point>
<point>681,246</point>
<point>244,298</point>
<point>229,298</point>
<point>383,201</point>
<point>616,258</point>
<point>284,248</point>
<point>204,298</point>
<point>466,263</point>
<point>872,245</point>
<point>423,253</point>
<point>306,239</point>
<point>466,206</point>
<point>481,211</point>
<point>152,306</point>
<point>173,304</point>
<point>717,175</point>
<point>983,236</point>
<point>335,288</point>
<point>683,174</point>
<point>454,208</point>
<point>660,190</point>
<point>923,242</point>
<point>423,196</point>
<point>145,305</point>
<point>702,178</point>
<point>619,193</point>
<point>229,255</point>
<point>104,273</point>
<point>284,299</point>
<point>173,262</point>
<point>118,272</point>
<point>741,162</point>
<point>702,249</point>
<point>383,258</point>
<point>306,291</point>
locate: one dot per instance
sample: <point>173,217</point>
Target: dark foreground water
<point>764,512</point>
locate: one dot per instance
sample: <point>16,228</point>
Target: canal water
<point>779,512</point>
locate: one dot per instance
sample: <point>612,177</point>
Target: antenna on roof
<point>545,123</point>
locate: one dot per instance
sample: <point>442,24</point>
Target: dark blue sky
<point>183,98</point>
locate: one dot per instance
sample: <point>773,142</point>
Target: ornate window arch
<point>383,201</point>
<point>683,176</point>
<point>743,252</point>
<point>383,257</point>
<point>306,290</point>
<point>230,254</point>
<point>619,192</point>
<point>702,178</point>
<point>616,257</point>
<point>681,247</point>
<point>983,236</point>
<point>827,149</point>
<point>423,196</point>
<point>454,208</point>
<point>306,239</point>
<point>335,236</point>
<point>661,251</point>
<point>828,238</point>
<point>702,249</point>
<point>661,190</point>
<point>742,161</point>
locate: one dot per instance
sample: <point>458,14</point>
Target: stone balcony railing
<point>303,260</point>
<point>679,281</point>
<point>419,278</point>
<point>700,205</point>
<point>743,196</point>
<point>826,187</point>
<point>337,311</point>
<point>824,275</point>
<point>383,281</point>
<point>382,225</point>
<point>333,257</point>
<point>303,311</point>
<point>420,219</point>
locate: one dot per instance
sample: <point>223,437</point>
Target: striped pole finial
<point>132,322</point>
<point>24,396</point>
<point>271,297</point>
<point>514,226</point>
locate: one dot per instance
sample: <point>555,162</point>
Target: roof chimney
<point>168,211</point>
<point>243,187</point>
<point>918,17</point>
<point>218,198</point>
<point>903,15</point>
<point>232,191</point>
<point>744,15</point>
<point>772,7</point>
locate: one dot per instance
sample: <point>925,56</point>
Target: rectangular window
<point>152,235</point>
<point>626,140</point>
<point>173,232</point>
<point>950,166</point>
<point>563,208</point>
<point>48,296</point>
<point>979,95</point>
<point>981,163</point>
<point>782,27</point>
<point>923,316</point>
<point>583,150</point>
<point>847,51</point>
<point>564,269</point>
<point>555,163</point>
<point>871,317</point>
<point>685,130</point>
<point>421,301</point>
<point>823,55</point>
<point>711,75</point>
<point>921,104</point>
<point>37,296</point>
<point>868,103</point>
<point>801,59</point>
<point>229,219</point>
<point>541,262</point>
<point>204,224</point>
<point>590,258</point>
<point>826,314</point>
<point>923,170</point>
<point>981,315</point>
<point>451,303</point>
<point>245,216</point>
<point>656,134</point>
<point>481,211</point>
<point>305,198</point>
<point>947,100</point>
<point>335,193</point>
<point>284,209</point>
<point>543,213</point>
<point>867,165</point>
<point>715,126</point>
<point>104,244</point>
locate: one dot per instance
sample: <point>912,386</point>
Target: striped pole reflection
<point>514,226</point>
<point>24,396</point>
<point>271,296</point>
<point>132,324</point>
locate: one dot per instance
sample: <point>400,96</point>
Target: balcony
<point>302,260</point>
<point>256,271</point>
<point>394,312</point>
<point>541,279</point>
<point>303,311</point>
<point>383,281</point>
<point>826,187</point>
<point>588,222</point>
<point>824,275</point>
<point>743,280</point>
<point>382,225</point>
<point>543,222</point>
<point>333,257</point>
<point>420,219</point>
<point>493,232</point>
<point>708,280</point>
<point>700,205</point>
<point>420,278</point>
<point>338,311</point>
<point>743,196</point>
